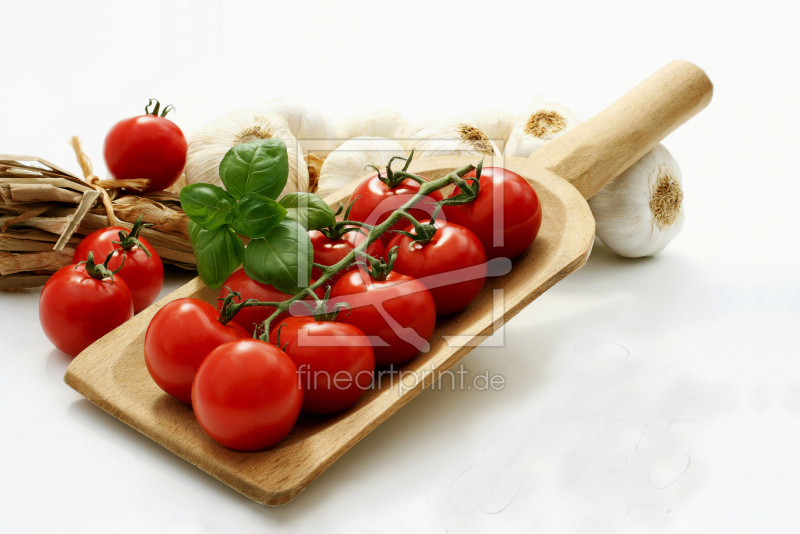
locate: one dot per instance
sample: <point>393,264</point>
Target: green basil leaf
<point>194,232</point>
<point>283,259</point>
<point>309,210</point>
<point>208,205</point>
<point>218,252</point>
<point>256,167</point>
<point>256,215</point>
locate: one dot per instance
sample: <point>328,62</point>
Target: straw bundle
<point>45,210</point>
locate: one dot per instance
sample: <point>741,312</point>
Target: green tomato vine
<point>279,252</point>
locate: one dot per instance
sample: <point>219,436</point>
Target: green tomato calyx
<point>128,240</point>
<point>392,179</point>
<point>100,272</point>
<point>164,112</point>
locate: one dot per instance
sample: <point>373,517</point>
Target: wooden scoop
<point>111,373</point>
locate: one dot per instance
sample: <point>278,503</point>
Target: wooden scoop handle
<point>602,148</point>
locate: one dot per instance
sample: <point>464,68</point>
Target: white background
<point>656,395</point>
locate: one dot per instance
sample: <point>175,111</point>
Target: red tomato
<point>146,146</point>
<point>179,337</point>
<point>398,311</point>
<point>512,229</point>
<point>329,251</point>
<point>253,316</point>
<point>143,275</point>
<point>246,395</point>
<point>435,264</point>
<point>76,310</point>
<point>335,370</point>
<point>377,202</point>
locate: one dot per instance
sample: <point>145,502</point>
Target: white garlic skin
<point>209,145</point>
<point>554,121</point>
<point>383,122</point>
<point>314,129</point>
<point>625,220</point>
<point>446,136</point>
<point>495,123</point>
<point>348,162</point>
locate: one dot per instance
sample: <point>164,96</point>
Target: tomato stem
<point>393,179</point>
<point>229,308</point>
<point>378,268</point>
<point>424,232</point>
<point>339,228</point>
<point>100,272</point>
<point>278,338</point>
<point>322,311</point>
<point>375,232</point>
<point>225,314</point>
<point>164,112</point>
<point>129,240</point>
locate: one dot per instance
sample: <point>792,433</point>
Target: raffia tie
<point>103,186</point>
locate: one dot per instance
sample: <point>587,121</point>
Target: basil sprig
<point>284,258</point>
<point>279,252</point>
<point>309,210</point>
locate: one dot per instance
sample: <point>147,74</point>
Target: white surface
<point>659,395</point>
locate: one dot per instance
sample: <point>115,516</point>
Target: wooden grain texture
<point>112,374</point>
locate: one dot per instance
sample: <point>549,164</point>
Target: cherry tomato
<point>246,395</point>
<point>399,311</point>
<point>144,275</point>
<point>509,231</point>
<point>437,264</point>
<point>334,370</point>
<point>253,316</point>
<point>377,202</point>
<point>179,337</point>
<point>147,146</point>
<point>76,310</point>
<point>331,251</point>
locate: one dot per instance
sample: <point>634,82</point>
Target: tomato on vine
<point>335,360</point>
<point>331,249</point>
<point>137,261</point>
<point>508,231</point>
<point>81,303</point>
<point>179,337</point>
<point>376,198</point>
<point>246,395</point>
<point>147,146</point>
<point>251,317</point>
<point>394,308</point>
<point>447,258</point>
<point>333,244</point>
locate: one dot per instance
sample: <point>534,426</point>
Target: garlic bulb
<point>542,122</point>
<point>447,136</point>
<point>311,127</point>
<point>382,122</point>
<point>349,161</point>
<point>210,144</point>
<point>495,123</point>
<point>639,212</point>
